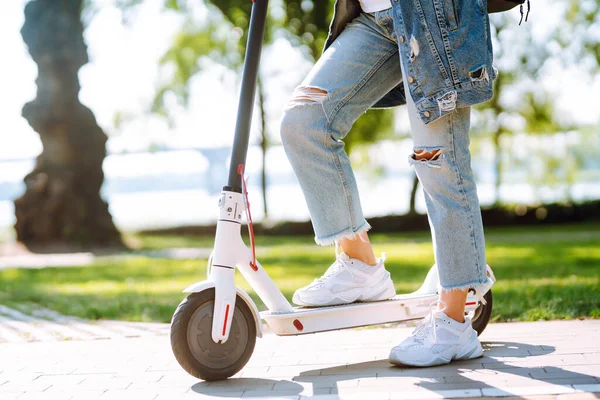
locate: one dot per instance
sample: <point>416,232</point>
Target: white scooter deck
<point>305,320</point>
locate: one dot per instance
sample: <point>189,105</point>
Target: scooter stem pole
<point>246,105</point>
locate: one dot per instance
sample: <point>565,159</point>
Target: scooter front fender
<point>203,285</point>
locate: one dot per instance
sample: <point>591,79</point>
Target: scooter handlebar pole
<point>246,105</point>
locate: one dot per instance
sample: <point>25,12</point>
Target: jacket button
<point>411,79</point>
<point>402,39</point>
<point>427,114</point>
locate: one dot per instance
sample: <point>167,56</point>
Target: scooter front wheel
<point>192,342</point>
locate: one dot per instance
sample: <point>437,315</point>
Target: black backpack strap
<point>495,6</point>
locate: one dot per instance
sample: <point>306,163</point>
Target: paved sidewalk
<point>33,323</point>
<point>542,360</point>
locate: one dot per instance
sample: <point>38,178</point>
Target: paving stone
<point>427,394</point>
<point>272,397</point>
<point>106,383</point>
<point>195,396</point>
<point>55,368</point>
<point>359,395</point>
<point>291,385</point>
<point>459,393</point>
<point>386,382</point>
<point>571,371</point>
<point>10,388</point>
<point>527,390</point>
<point>252,393</point>
<point>291,371</point>
<point>59,380</point>
<point>571,381</point>
<point>233,393</point>
<point>488,375</point>
<point>248,372</point>
<point>47,396</point>
<point>274,361</point>
<point>137,394</point>
<point>438,386</point>
<point>11,396</point>
<point>16,377</point>
<point>68,393</point>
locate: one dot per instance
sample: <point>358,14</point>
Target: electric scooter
<point>214,329</point>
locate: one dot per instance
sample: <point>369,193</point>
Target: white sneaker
<point>437,340</point>
<point>348,280</point>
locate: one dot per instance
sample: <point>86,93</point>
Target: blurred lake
<point>181,187</point>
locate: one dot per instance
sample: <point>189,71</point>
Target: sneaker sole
<point>431,363</point>
<point>471,353</point>
<point>384,294</point>
<point>474,352</point>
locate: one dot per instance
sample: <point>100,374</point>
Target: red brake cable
<point>248,215</point>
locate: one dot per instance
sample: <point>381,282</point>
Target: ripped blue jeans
<point>351,76</point>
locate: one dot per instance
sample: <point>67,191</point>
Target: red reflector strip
<point>226,317</point>
<point>298,325</point>
<point>472,303</point>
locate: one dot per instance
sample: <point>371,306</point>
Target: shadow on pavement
<point>461,375</point>
<point>231,388</point>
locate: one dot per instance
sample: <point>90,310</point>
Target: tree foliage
<point>199,43</point>
<point>522,104</point>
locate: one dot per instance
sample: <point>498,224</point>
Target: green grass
<point>546,272</point>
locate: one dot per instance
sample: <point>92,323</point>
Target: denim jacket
<point>445,48</point>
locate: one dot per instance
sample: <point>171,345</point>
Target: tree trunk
<point>497,166</point>
<point>62,205</point>
<point>498,109</point>
<point>413,195</point>
<point>263,145</point>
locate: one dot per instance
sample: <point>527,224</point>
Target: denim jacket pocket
<point>451,16</point>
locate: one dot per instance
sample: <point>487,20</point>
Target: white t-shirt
<point>370,6</point>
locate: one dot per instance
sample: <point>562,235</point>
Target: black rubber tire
<point>483,313</point>
<point>200,365</point>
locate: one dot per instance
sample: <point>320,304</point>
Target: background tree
<point>200,45</point>
<point>520,103</point>
<point>62,203</point>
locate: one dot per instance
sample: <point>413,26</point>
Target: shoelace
<point>430,319</point>
<point>343,264</point>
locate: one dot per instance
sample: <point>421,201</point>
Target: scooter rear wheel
<point>192,342</point>
<point>483,313</point>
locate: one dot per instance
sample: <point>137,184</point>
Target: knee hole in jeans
<point>427,157</point>
<point>307,95</point>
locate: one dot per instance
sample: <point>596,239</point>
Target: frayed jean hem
<point>481,288</point>
<point>348,233</point>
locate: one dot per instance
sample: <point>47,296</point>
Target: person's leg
<point>359,248</point>
<point>442,161</point>
<point>454,301</point>
<point>352,75</point>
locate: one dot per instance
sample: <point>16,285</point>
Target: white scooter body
<point>230,252</point>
